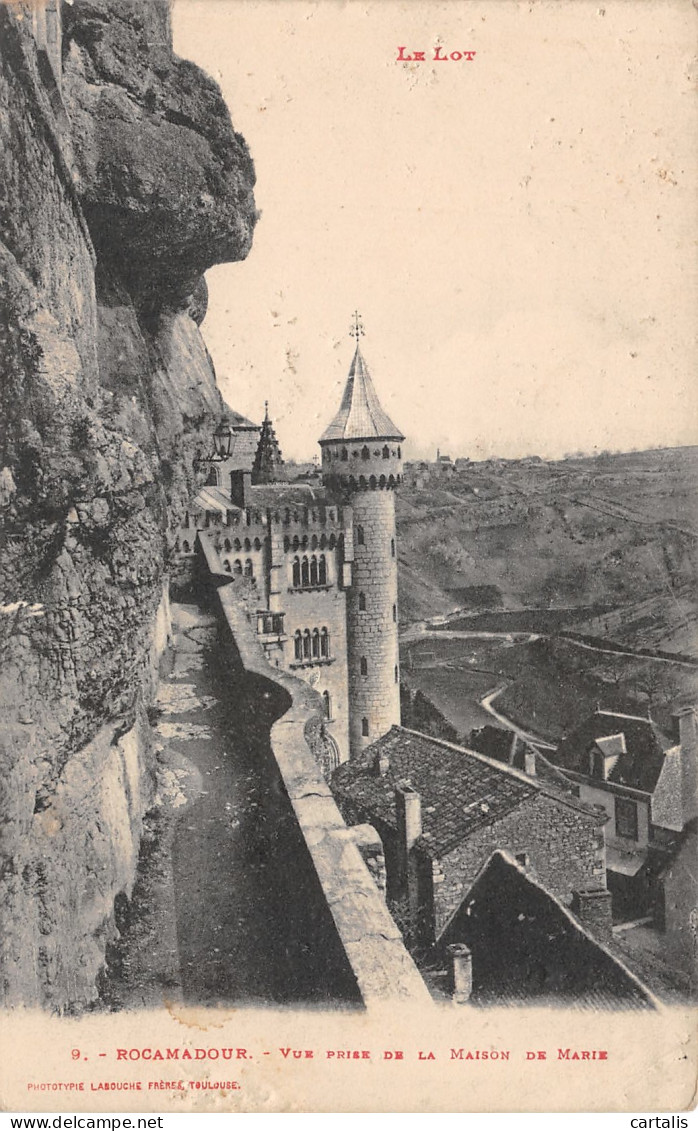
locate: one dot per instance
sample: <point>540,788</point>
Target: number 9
<point>75,1053</point>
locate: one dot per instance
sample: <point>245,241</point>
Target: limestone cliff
<point>121,181</point>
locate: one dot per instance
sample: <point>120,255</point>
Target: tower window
<point>298,645</point>
<point>360,536</point>
<point>386,452</point>
<point>313,570</point>
<point>185,547</point>
<point>305,572</point>
<point>226,566</point>
<point>307,646</point>
<point>316,644</point>
<point>395,613</point>
<point>365,453</point>
<point>322,569</point>
<point>327,704</point>
<point>362,602</point>
<point>324,643</point>
<point>397,675</point>
<point>392,547</point>
<point>248,568</point>
<point>296,572</point>
<point>345,454</point>
<point>248,545</point>
<point>364,666</point>
<point>399,453</point>
<point>228,544</point>
<point>364,727</point>
<point>257,544</point>
<point>237,567</point>
<point>237,545</point>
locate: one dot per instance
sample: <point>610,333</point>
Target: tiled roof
<point>506,746</point>
<point>212,499</point>
<point>637,767</point>
<point>461,791</point>
<point>360,416</point>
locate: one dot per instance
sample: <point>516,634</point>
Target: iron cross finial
<point>357,328</point>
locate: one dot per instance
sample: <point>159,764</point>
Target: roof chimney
<point>408,807</point>
<point>240,484</point>
<point>688,733</point>
<point>381,763</point>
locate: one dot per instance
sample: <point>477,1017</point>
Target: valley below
<point>533,592</point>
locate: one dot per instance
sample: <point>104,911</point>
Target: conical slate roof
<point>360,415</point>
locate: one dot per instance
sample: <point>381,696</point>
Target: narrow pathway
<point>226,908</point>
<point>526,735</point>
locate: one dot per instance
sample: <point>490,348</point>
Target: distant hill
<point>592,535</point>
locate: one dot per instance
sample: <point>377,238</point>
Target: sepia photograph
<point>348,548</point>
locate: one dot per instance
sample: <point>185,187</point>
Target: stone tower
<point>268,464</point>
<point>362,466</point>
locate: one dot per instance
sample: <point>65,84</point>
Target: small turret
<point>268,464</point>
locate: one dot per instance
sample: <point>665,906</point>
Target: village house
<point>441,811</point>
<point>642,780</point>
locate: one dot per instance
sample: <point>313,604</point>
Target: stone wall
<point>369,938</point>
<point>121,181</point>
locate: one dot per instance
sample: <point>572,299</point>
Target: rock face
<point>121,182</point>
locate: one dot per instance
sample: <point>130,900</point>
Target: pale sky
<point>518,232</point>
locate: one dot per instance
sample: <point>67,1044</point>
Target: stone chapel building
<point>317,566</point>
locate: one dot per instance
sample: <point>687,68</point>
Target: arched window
<point>399,453</point>
<point>296,542</point>
<point>395,612</point>
<point>365,454</point>
<point>305,573</point>
<point>332,542</point>
<point>307,645</point>
<point>397,676</point>
<point>364,727</point>
<point>316,644</point>
<point>237,545</point>
<point>237,567</point>
<point>257,544</point>
<point>298,645</point>
<point>392,547</point>
<point>313,570</point>
<point>176,546</point>
<point>248,568</point>
<point>228,545</point>
<point>382,481</point>
<point>324,643</point>
<point>287,544</point>
<point>362,602</point>
<point>327,704</point>
<point>322,570</point>
<point>363,482</point>
<point>185,547</point>
<point>373,482</point>
<point>360,536</point>
<point>226,566</point>
<point>296,572</point>
<point>386,452</point>
<point>345,454</point>
<point>248,545</point>
<point>364,666</point>
<point>313,542</point>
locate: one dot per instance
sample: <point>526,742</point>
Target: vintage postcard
<point>349,751</point>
